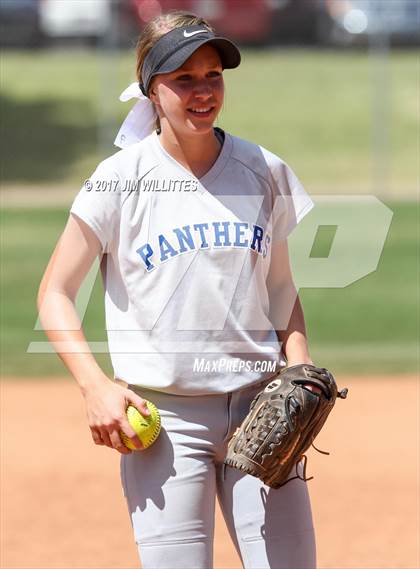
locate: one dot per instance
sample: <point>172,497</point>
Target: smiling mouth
<point>203,112</point>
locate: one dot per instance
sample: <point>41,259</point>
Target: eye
<point>214,74</point>
<point>184,77</point>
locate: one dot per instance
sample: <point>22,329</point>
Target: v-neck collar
<point>212,173</point>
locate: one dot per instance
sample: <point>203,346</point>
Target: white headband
<point>140,121</point>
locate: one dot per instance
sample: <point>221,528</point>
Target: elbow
<point>40,295</point>
<point>40,302</point>
<point>46,288</point>
<point>46,295</point>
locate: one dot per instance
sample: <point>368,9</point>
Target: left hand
<point>308,361</point>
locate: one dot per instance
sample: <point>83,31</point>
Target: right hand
<point>106,404</point>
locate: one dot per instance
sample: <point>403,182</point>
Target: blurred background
<point>332,86</point>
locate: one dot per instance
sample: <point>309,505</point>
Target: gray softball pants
<point>171,488</point>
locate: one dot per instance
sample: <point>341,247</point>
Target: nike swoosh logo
<point>189,34</point>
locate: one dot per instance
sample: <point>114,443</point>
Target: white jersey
<point>186,262</point>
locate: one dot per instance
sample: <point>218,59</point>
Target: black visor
<point>174,48</point>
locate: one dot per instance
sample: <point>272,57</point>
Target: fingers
<point>128,430</point>
<point>107,417</point>
<point>117,444</point>
<point>96,436</point>
<point>111,438</point>
<point>139,403</point>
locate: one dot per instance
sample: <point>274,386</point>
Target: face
<point>190,98</point>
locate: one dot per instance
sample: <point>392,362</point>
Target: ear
<point>152,96</point>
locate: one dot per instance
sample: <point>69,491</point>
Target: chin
<point>200,128</point>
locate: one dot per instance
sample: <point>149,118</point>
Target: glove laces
<point>304,461</point>
<point>342,395</point>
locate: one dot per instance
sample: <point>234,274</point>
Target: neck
<point>196,152</point>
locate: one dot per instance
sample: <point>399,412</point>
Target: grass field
<point>314,108</point>
<point>370,326</point>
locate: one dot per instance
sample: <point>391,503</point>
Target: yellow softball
<point>146,428</point>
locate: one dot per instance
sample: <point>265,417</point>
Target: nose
<point>203,90</point>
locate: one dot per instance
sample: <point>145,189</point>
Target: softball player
<point>191,225</point>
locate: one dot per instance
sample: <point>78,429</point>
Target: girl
<point>191,224</point>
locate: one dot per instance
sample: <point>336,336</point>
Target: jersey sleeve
<point>98,204</point>
<point>290,201</point>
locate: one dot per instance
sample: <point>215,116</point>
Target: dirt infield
<point>62,506</point>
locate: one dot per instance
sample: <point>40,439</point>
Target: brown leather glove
<point>282,422</point>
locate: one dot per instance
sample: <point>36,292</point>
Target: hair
<point>158,27</point>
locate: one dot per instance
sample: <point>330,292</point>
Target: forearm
<point>63,328</point>
<point>294,338</point>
